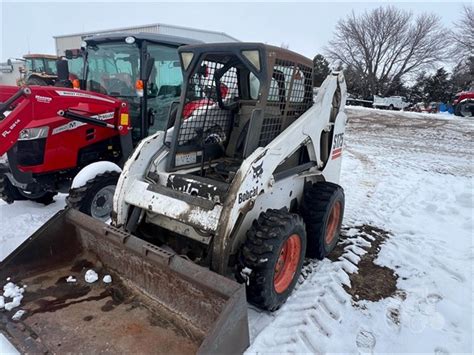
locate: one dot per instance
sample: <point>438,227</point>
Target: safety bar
<point>22,92</point>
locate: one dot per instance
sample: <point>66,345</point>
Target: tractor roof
<point>237,47</point>
<point>46,56</point>
<point>142,36</point>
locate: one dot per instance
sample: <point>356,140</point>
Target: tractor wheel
<point>95,198</point>
<point>271,258</point>
<point>465,109</point>
<point>8,192</point>
<point>322,211</point>
<point>36,81</point>
<point>44,197</point>
<point>457,110</point>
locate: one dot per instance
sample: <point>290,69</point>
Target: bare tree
<point>383,45</point>
<point>463,35</point>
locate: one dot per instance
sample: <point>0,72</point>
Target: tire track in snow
<point>306,322</point>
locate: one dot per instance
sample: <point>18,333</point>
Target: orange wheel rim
<point>287,263</point>
<point>333,223</point>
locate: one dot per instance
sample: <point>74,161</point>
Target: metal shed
<point>73,41</point>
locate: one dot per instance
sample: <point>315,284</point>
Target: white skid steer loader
<point>242,185</point>
<point>246,180</point>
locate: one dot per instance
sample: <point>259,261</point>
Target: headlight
<point>130,40</point>
<point>33,133</point>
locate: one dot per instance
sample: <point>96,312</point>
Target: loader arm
<point>19,107</point>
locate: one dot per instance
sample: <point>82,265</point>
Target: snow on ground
<point>20,220</point>
<point>407,175</point>
<point>410,175</point>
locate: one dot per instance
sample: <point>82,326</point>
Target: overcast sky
<point>306,27</point>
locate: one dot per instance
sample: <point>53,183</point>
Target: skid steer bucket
<point>157,302</point>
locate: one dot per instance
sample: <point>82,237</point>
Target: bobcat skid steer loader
<point>245,181</point>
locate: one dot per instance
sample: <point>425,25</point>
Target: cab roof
<point>235,47</point>
<point>47,56</point>
<point>142,36</point>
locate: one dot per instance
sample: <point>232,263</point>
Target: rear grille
<point>31,152</point>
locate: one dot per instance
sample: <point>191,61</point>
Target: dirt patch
<point>372,282</point>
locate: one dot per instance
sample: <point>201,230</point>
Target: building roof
<point>125,29</point>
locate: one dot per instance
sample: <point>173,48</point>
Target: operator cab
<point>142,69</point>
<point>236,98</point>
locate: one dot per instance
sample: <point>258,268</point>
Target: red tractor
<point>69,139</point>
<point>463,104</point>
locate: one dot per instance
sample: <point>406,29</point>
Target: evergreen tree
<point>417,91</point>
<point>438,87</point>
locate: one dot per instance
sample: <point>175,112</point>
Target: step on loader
<point>231,198</point>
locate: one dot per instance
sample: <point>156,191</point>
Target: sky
<point>29,27</point>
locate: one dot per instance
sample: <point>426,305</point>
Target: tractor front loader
<point>48,134</point>
<point>227,201</point>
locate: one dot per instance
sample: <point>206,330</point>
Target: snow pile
<point>245,273</point>
<point>91,276</point>
<point>10,290</point>
<point>18,314</point>
<point>71,279</point>
<point>107,279</point>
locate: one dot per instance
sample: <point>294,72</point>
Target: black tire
<point>459,111</point>
<point>391,107</point>
<point>34,80</point>
<point>320,201</point>
<point>43,197</point>
<point>8,192</point>
<point>261,252</point>
<point>82,198</point>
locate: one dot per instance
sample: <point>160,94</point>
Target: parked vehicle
<point>10,71</point>
<point>40,69</point>
<point>390,103</point>
<point>463,104</point>
<point>353,101</point>
<point>140,70</point>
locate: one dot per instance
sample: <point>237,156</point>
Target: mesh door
<point>203,121</point>
<point>290,95</point>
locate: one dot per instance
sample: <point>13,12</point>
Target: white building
<point>73,41</point>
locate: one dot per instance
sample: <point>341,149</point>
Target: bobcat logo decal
<point>257,170</point>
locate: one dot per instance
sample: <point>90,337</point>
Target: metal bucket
<point>157,302</point>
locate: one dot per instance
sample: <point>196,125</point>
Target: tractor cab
<point>141,69</point>
<point>40,69</point>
